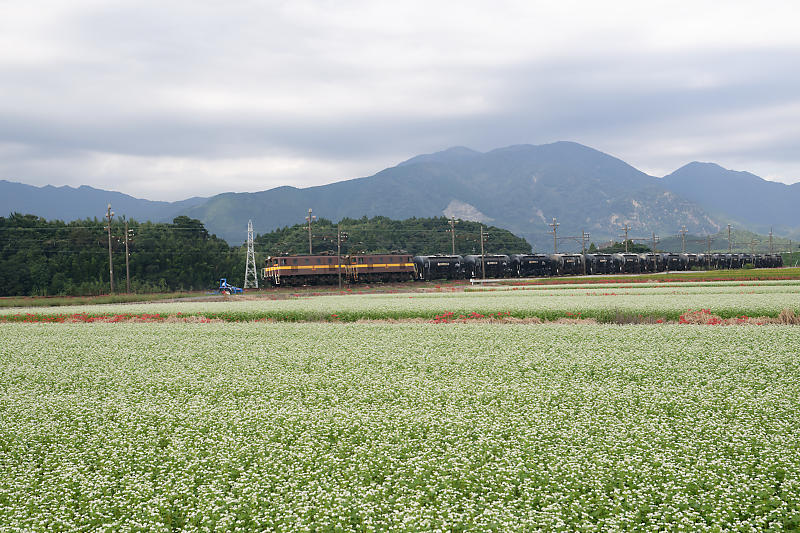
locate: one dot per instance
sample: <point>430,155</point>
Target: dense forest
<point>48,258</point>
<point>381,234</point>
<point>619,247</point>
<point>40,257</point>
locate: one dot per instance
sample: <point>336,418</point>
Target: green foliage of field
<point>668,301</point>
<point>345,427</point>
<point>60,301</point>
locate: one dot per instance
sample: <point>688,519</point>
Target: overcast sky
<point>166,100</point>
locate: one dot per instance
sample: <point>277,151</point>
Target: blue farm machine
<point>227,288</point>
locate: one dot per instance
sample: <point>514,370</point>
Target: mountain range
<point>520,188</point>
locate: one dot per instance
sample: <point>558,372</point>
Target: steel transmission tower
<point>250,269</point>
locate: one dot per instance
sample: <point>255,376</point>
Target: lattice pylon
<point>250,278</point>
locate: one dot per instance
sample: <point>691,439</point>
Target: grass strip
<point>609,316</point>
<point>717,275</point>
<point>60,301</point>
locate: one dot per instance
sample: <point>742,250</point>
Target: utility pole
<point>730,245</point>
<point>683,239</point>
<point>627,227</point>
<point>770,240</point>
<point>554,225</point>
<point>708,255</point>
<point>655,251</point>
<point>310,219</point>
<point>250,267</point>
<point>109,216</point>
<point>483,258</point>
<point>584,239</point>
<point>339,252</point>
<point>127,263</point>
<point>452,223</point>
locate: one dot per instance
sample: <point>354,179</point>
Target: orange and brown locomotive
<point>326,269</point>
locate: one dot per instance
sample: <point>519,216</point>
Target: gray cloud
<point>166,100</point>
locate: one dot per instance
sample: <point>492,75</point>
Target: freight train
<point>369,268</point>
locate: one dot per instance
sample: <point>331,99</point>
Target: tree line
<point>47,258</point>
<point>40,257</point>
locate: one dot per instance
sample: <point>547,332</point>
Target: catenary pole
<point>770,240</point>
<point>452,223</point>
<point>310,219</point>
<point>483,258</point>
<point>627,228</point>
<point>554,225</point>
<point>584,238</point>
<point>730,245</point>
<point>109,216</point>
<point>127,262</point>
<point>683,239</point>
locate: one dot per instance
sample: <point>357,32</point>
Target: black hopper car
<point>600,264</point>
<point>627,263</point>
<point>488,266</point>
<point>650,262</point>
<point>566,264</point>
<point>530,265</point>
<point>429,267</point>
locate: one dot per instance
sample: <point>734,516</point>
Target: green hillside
<point>382,234</point>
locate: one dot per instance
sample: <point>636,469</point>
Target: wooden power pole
<point>554,225</point>
<point>770,240</point>
<point>310,219</point>
<point>109,216</point>
<point>683,239</point>
<point>730,244</point>
<point>626,228</point>
<point>452,223</point>
<point>483,258</point>
<point>127,263</point>
<point>584,240</point>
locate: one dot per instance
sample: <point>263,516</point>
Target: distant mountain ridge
<point>520,188</point>
<point>73,203</point>
<point>742,197</point>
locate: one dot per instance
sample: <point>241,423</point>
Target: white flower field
<point>403,427</point>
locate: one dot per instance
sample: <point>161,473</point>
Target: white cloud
<point>175,178</point>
